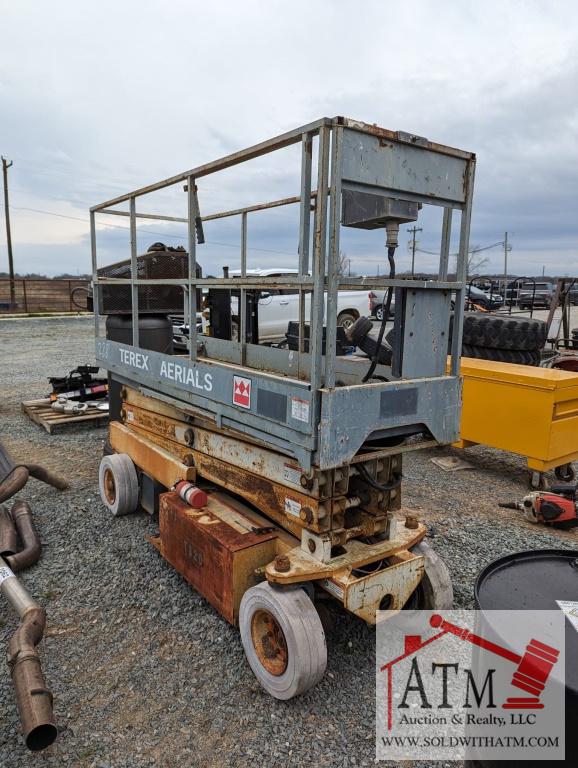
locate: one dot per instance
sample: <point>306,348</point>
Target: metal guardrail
<point>23,295</point>
<point>299,398</point>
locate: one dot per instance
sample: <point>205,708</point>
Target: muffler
<point>32,696</point>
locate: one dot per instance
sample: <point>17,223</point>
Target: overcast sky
<point>101,98</point>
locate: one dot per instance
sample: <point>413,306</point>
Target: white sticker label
<point>129,416</point>
<point>299,409</point>
<point>570,609</point>
<point>5,573</point>
<point>292,507</point>
<point>332,587</point>
<point>292,474</point>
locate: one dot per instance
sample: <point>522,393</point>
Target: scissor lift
<point>300,450</point>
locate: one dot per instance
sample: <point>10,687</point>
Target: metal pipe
<point>32,696</point>
<point>46,476</point>
<point>8,537</point>
<point>30,553</point>
<point>18,477</point>
<point>13,483</point>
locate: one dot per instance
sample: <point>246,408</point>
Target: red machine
<point>556,507</point>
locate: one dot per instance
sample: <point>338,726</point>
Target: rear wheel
<point>283,639</point>
<point>379,313</point>
<point>118,484</point>
<point>346,319</point>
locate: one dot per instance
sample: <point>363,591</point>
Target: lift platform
<point>309,442</point>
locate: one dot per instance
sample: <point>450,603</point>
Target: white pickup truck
<point>278,307</point>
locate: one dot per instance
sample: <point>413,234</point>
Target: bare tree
<point>344,268</point>
<point>476,261</point>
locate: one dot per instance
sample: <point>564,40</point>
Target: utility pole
<point>5,166</point>
<point>413,231</point>
<point>506,249</point>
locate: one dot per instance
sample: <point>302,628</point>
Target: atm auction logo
<point>470,685</point>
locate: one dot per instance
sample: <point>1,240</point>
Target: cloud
<point>96,100</point>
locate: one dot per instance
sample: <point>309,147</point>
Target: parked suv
<point>540,297</point>
<point>482,299</point>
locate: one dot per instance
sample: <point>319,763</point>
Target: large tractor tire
<point>518,357</point>
<point>503,332</point>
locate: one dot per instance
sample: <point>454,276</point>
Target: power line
<point>148,231</point>
<point>471,250</point>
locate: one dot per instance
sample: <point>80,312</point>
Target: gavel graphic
<point>533,668</point>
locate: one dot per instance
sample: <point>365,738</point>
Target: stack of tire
<point>503,338</point>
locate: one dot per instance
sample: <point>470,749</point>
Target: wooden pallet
<point>41,413</point>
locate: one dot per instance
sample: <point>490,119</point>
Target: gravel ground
<point>144,672</point>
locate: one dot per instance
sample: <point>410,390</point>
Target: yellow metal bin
<point>529,411</point>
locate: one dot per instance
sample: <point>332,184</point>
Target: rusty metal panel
<point>363,596</point>
<point>217,549</point>
<point>155,461</point>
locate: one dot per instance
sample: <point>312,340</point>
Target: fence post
<point>70,309</point>
<point>25,297</point>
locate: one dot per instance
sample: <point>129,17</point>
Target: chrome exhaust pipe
<point>32,696</point>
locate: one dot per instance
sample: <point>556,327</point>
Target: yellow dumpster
<point>529,411</point>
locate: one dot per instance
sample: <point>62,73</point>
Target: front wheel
<point>283,639</point>
<point>379,313</point>
<point>435,590</point>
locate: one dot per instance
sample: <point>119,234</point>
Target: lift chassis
<point>300,451</point>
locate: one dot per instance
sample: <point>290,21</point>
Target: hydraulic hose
<point>386,309</point>
<point>395,483</point>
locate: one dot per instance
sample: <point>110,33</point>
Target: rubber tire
<point>537,481</point>
<point>379,313</point>
<point>517,357</point>
<point>514,356</point>
<point>357,332</point>
<point>503,332</point>
<point>435,590</point>
<point>565,473</point>
<point>344,317</point>
<point>125,479</point>
<point>304,635</point>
